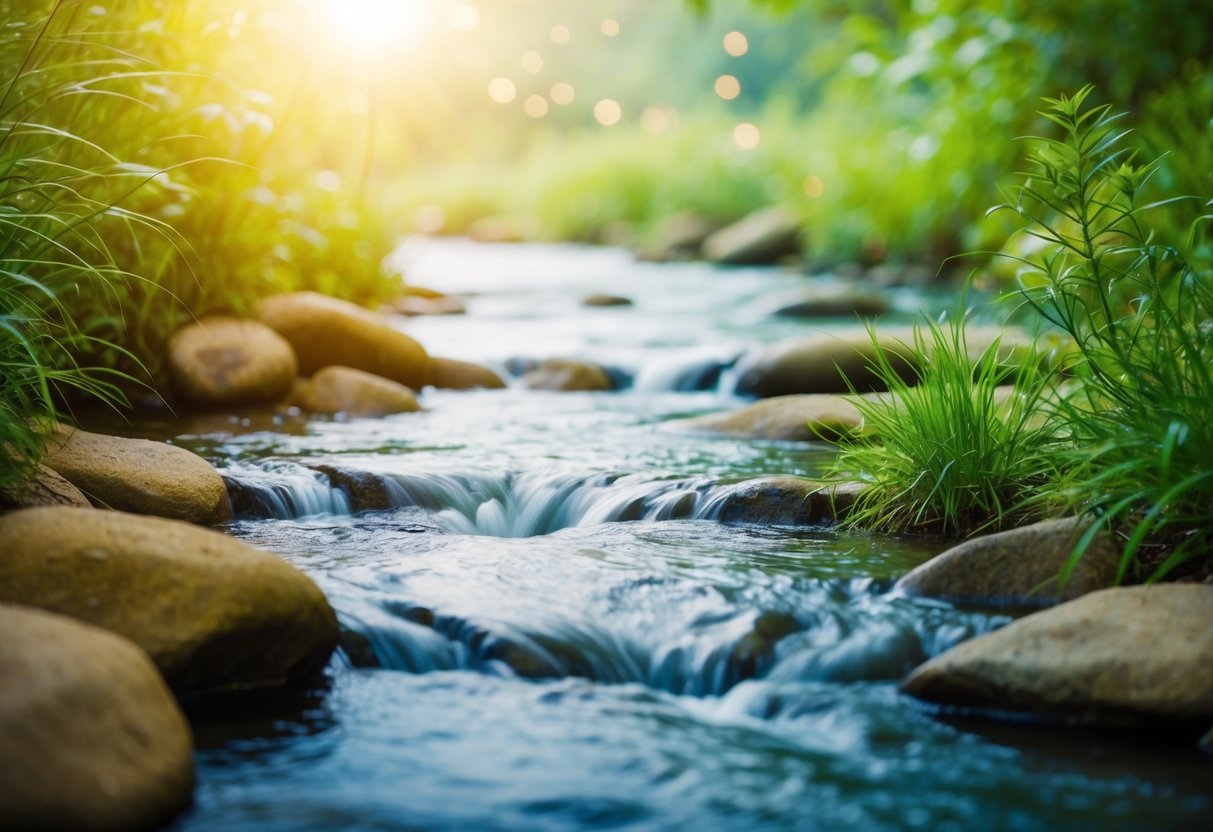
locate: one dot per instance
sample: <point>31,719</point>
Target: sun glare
<point>377,24</point>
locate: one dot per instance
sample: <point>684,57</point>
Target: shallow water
<point>546,628</point>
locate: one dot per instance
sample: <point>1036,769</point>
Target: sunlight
<point>375,24</point>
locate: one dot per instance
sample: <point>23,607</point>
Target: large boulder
<point>790,418</point>
<point>227,362</point>
<point>91,738</point>
<point>822,361</point>
<point>763,237</point>
<point>464,375</point>
<point>1118,657</point>
<point>1018,567</point>
<point>325,332</point>
<point>140,476</point>
<point>354,393</point>
<point>212,612</point>
<point>42,488</point>
<point>783,501</point>
<point>558,374</point>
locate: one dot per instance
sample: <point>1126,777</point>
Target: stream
<point>546,627</point>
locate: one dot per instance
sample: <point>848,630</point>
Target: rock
<point>764,237</point>
<point>1017,567</point>
<point>44,488</point>
<point>355,394</point>
<point>367,490</point>
<point>783,501</point>
<point>213,613</point>
<point>464,375</point>
<point>803,418</point>
<point>327,332</point>
<point>558,374</point>
<point>91,738</point>
<point>139,476</point>
<point>681,236</point>
<point>413,305</point>
<point>602,299</point>
<point>224,362</point>
<point>818,363</point>
<point>837,301</point>
<point>1117,658</point>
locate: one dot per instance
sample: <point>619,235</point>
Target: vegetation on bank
<point>1122,427</point>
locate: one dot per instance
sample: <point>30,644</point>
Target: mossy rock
<point>783,501</point>
<point>92,739</point>
<point>227,362</point>
<point>140,476</point>
<point>213,613</point>
<point>327,332</point>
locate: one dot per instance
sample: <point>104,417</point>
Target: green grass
<point>960,447</point>
<point>1137,306</point>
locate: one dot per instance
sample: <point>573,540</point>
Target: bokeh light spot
<point>502,90</point>
<point>562,93</point>
<point>746,136</point>
<point>328,180</point>
<point>608,112</point>
<point>655,120</point>
<point>736,44</point>
<point>532,62</point>
<point>536,106</point>
<point>465,18</point>
<point>728,87</point>
<point>610,28</point>
<point>560,34</point>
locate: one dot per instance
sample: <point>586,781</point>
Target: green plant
<point>959,447</point>
<point>1139,311</point>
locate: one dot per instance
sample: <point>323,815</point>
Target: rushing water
<point>547,627</point>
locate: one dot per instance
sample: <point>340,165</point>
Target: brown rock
<point>221,362</point>
<point>763,237</point>
<point>91,737</point>
<point>783,501</point>
<point>356,394</point>
<point>327,332</point>
<point>44,488</point>
<point>413,305</point>
<point>1118,657</point>
<point>1022,566</point>
<point>464,375</point>
<point>140,476</point>
<point>212,612</point>
<point>791,418</point>
<point>603,299</point>
<point>558,374</point>
<point>682,235</point>
<point>837,301</point>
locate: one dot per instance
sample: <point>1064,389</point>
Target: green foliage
<point>960,447</point>
<point>1139,310</point>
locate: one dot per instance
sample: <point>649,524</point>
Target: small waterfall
<point>687,371</point>
<point>282,491</point>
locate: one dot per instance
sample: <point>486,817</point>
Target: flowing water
<point>546,626</point>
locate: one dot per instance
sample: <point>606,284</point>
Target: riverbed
<point>549,628</point>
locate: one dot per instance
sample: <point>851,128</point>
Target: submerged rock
<point>366,490</point>
<point>563,375</point>
<point>328,332</point>
<point>140,476</point>
<point>785,501</point>
<point>602,299</point>
<point>764,237</point>
<point>91,738</point>
<point>222,362</point>
<point>803,418</point>
<point>354,393</point>
<point>1118,658</point>
<point>450,374</point>
<point>1021,567</point>
<point>212,612</point>
<point>43,488</point>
